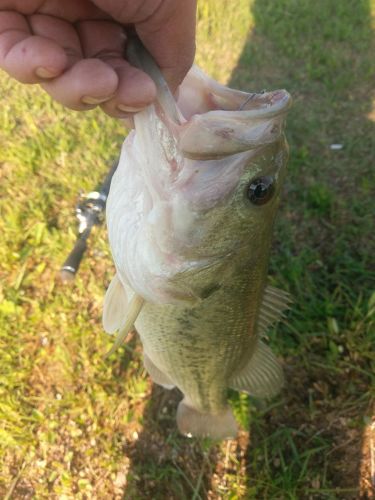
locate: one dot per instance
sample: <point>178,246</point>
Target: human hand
<point>75,49</point>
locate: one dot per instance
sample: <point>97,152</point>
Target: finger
<point>106,40</point>
<point>101,39</point>
<point>167,29</point>
<point>70,10</point>
<point>25,57</point>
<point>61,32</point>
<point>86,84</point>
<point>135,90</point>
<point>169,35</point>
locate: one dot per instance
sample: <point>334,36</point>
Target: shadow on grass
<point>322,52</point>
<point>165,465</point>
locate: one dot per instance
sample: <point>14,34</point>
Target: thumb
<point>166,28</point>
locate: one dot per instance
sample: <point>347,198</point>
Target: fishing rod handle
<point>104,189</point>
<point>71,265</point>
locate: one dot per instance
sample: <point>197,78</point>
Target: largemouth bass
<point>190,216</point>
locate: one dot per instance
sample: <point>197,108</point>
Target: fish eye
<point>261,190</point>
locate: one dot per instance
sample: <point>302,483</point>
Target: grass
<point>75,426</point>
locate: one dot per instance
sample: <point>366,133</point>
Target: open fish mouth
<point>216,98</point>
<point>226,121</point>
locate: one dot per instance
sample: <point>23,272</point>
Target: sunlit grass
<point>221,35</point>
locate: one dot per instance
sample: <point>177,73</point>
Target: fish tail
<point>192,422</point>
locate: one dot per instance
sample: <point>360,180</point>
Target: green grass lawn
<point>73,425</point>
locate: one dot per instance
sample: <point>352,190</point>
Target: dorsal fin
<point>263,376</point>
<point>273,305</point>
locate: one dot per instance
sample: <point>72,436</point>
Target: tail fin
<point>191,422</point>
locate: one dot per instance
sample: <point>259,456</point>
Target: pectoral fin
<point>135,307</point>
<point>262,377</point>
<point>115,306</point>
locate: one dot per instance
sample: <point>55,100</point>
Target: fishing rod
<point>89,212</point>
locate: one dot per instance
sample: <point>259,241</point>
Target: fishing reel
<point>90,212</point>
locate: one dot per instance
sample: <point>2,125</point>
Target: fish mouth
<point>217,98</point>
<point>263,105</point>
<point>225,121</point>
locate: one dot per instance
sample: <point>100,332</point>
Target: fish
<point>190,216</point>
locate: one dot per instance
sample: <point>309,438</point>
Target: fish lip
<point>279,103</point>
